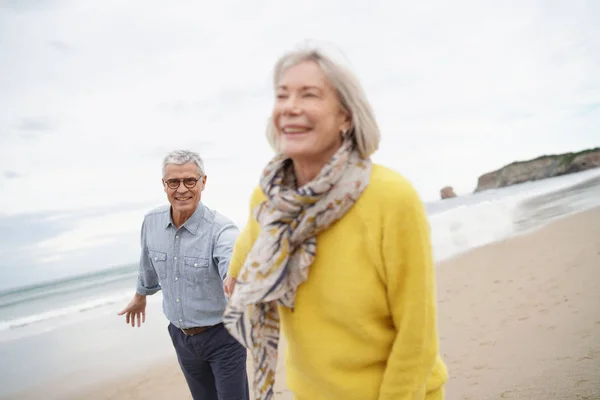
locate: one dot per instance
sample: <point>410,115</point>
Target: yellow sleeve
<point>247,236</point>
<point>409,272</point>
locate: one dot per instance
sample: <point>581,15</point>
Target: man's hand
<point>228,285</point>
<point>135,310</point>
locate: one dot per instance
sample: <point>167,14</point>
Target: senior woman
<point>337,249</point>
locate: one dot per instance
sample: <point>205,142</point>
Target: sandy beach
<point>519,319</point>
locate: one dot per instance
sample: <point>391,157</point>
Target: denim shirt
<point>188,264</point>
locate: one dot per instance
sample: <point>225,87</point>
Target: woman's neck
<point>306,169</point>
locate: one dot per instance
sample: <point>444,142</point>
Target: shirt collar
<point>193,222</point>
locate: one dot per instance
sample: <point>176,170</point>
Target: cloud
<point>12,175</point>
<point>61,46</point>
<point>34,127</point>
<point>23,5</point>
<point>211,108</point>
<point>20,231</point>
<point>38,124</point>
<point>587,109</point>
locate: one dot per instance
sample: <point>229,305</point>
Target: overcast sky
<point>94,93</point>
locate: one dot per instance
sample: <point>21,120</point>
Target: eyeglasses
<point>187,182</point>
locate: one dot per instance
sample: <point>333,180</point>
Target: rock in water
<point>447,192</point>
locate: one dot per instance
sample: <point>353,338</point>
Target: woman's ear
<point>347,121</point>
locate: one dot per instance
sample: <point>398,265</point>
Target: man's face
<point>183,199</point>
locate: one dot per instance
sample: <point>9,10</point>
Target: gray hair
<point>364,129</point>
<point>180,157</point>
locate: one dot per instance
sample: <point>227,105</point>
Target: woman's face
<point>307,114</point>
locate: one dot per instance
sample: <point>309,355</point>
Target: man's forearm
<point>223,248</point>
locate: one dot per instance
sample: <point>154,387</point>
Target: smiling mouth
<point>294,130</point>
<point>183,198</point>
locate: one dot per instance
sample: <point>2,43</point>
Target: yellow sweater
<point>364,324</point>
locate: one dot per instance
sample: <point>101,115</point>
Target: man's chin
<point>183,206</point>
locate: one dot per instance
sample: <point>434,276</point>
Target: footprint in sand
<point>505,395</point>
<point>585,358</point>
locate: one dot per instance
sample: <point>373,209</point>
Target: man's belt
<point>197,330</point>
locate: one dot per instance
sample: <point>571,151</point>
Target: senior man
<point>186,249</point>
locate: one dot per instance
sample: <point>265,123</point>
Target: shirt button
<point>176,237</point>
<point>177,300</point>
<point>176,278</point>
<point>180,320</point>
<point>175,258</point>
<point>195,265</point>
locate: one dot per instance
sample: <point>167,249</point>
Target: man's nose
<point>181,188</point>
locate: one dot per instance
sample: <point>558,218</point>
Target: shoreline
<point>517,318</point>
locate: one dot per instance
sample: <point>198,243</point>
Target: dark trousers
<point>213,363</point>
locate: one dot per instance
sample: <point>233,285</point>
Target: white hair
<point>364,129</point>
<point>180,157</point>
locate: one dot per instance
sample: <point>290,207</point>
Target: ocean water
<point>54,330</point>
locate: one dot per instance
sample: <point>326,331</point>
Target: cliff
<point>540,168</point>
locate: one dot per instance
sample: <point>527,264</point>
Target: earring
<point>344,134</point>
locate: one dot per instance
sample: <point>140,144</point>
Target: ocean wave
<point>37,292</point>
<point>465,227</point>
<point>60,285</point>
<point>65,311</point>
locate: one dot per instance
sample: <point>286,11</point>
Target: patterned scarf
<point>278,263</point>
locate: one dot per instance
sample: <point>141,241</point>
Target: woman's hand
<point>229,285</point>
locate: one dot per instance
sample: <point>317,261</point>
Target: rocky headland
<point>543,167</point>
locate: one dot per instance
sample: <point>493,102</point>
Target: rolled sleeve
<point>147,283</point>
<point>223,247</point>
